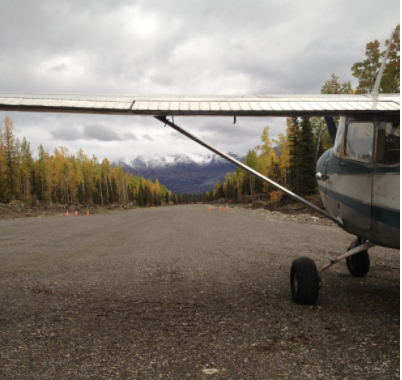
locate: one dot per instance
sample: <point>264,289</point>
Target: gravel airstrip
<point>182,292</point>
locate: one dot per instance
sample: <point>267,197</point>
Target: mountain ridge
<point>181,173</point>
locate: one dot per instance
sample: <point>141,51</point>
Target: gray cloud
<point>59,67</point>
<point>97,132</point>
<point>269,46</point>
<point>67,134</point>
<point>101,133</point>
<point>130,136</point>
<point>148,137</point>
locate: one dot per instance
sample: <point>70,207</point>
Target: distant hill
<point>181,173</point>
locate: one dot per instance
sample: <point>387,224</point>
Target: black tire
<point>359,263</point>
<point>304,281</point>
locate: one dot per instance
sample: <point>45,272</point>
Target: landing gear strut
<point>305,279</point>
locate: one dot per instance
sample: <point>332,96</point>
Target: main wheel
<point>304,281</point>
<point>359,263</point>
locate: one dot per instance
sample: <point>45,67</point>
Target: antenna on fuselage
<point>376,87</point>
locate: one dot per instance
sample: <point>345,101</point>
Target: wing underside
<point>251,105</point>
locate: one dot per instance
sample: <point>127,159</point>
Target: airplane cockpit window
<point>388,143</point>
<point>339,137</point>
<point>359,141</point>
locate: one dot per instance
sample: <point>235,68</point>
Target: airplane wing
<point>196,105</point>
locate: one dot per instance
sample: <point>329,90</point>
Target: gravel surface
<point>183,292</point>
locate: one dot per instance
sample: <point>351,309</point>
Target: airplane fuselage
<point>361,175</point>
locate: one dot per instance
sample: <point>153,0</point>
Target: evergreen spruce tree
<point>150,197</point>
<point>245,186</point>
<point>306,165</point>
<point>11,169</point>
<point>145,195</point>
<point>293,137</point>
<point>320,150</point>
<point>258,185</point>
<point>276,171</point>
<point>43,172</point>
<point>140,197</point>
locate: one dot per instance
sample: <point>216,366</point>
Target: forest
<point>61,177</point>
<point>66,178</point>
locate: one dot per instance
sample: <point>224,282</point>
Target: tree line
<point>65,178</point>
<point>289,160</point>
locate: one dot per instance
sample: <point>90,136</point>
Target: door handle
<point>321,177</point>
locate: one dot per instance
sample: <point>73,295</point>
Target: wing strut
<point>331,127</point>
<point>164,120</point>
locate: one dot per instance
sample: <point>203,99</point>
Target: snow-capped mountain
<point>142,163</point>
<point>139,163</point>
<point>181,172</point>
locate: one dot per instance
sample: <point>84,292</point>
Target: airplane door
<point>329,164</point>
<point>356,182</point>
<point>322,168</point>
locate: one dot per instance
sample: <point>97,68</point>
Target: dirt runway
<point>177,292</point>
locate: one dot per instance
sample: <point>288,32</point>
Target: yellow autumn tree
<point>265,156</point>
<point>284,157</point>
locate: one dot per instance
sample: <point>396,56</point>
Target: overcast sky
<point>176,47</point>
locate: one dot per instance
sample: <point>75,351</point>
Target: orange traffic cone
<point>76,213</point>
<point>87,213</point>
<point>227,207</point>
<point>220,208</point>
<point>210,208</point>
<point>67,213</point>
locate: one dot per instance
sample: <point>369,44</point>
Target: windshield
<point>388,152</point>
<point>359,141</point>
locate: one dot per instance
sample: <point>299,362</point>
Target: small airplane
<point>358,178</point>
